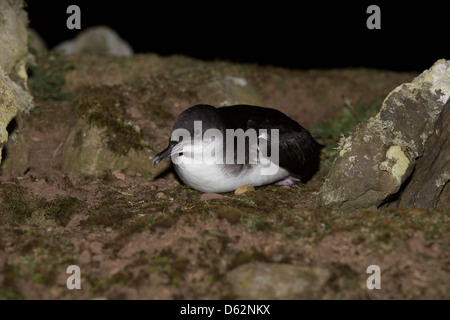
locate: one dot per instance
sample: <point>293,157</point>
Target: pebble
<point>244,189</point>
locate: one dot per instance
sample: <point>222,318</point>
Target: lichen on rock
<point>377,160</point>
<point>13,34</point>
<point>12,100</point>
<point>14,96</point>
<point>104,137</point>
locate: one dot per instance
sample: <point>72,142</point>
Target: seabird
<point>276,148</point>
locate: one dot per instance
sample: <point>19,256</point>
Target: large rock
<point>86,152</point>
<point>14,96</point>
<point>13,36</point>
<point>99,40</point>
<point>261,281</point>
<point>105,137</point>
<point>407,141</point>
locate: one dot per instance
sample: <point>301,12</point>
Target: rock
<point>100,40</point>
<point>12,100</point>
<point>244,189</point>
<point>16,151</point>
<point>14,96</point>
<point>36,44</point>
<point>403,148</point>
<point>105,139</point>
<point>424,189</point>
<point>211,196</point>
<point>13,36</point>
<point>260,281</point>
<point>161,195</point>
<point>229,90</point>
<point>87,153</point>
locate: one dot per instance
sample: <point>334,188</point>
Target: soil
<point>138,236</point>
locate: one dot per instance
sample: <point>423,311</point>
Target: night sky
<point>290,34</point>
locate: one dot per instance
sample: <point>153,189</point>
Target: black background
<point>292,34</point>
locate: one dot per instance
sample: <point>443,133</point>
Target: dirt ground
<point>141,235</point>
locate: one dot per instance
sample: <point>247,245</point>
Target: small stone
<point>244,189</point>
<point>161,195</point>
<point>211,196</point>
<point>119,176</point>
<point>174,207</point>
<point>76,221</point>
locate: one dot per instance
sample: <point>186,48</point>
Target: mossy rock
<point>401,148</point>
<point>13,34</point>
<point>12,100</point>
<point>86,152</point>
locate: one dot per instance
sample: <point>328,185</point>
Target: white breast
<point>216,178</point>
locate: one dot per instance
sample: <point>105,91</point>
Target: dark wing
<point>299,153</point>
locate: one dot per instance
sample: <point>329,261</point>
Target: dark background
<point>290,34</point>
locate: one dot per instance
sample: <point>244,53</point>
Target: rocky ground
<point>78,188</point>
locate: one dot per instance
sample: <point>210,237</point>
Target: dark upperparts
<point>299,152</point>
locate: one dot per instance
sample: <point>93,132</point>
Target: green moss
<point>38,278</point>
<point>18,207</point>
<point>342,277</point>
<point>15,206</point>
<point>61,209</point>
<point>169,264</point>
<point>47,78</point>
<point>104,107</point>
<point>229,213</point>
<point>243,257</point>
<point>160,111</point>
<point>330,130</point>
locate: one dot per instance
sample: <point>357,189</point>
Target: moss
<point>15,206</point>
<point>342,277</point>
<point>104,107</point>
<point>167,263</point>
<point>243,257</point>
<point>330,130</point>
<point>165,221</point>
<point>18,207</point>
<point>47,77</point>
<point>160,111</point>
<point>229,213</point>
<point>113,211</point>
<point>61,209</point>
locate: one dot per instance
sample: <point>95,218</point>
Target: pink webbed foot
<point>287,181</point>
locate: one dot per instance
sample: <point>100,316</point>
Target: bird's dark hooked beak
<point>165,153</point>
